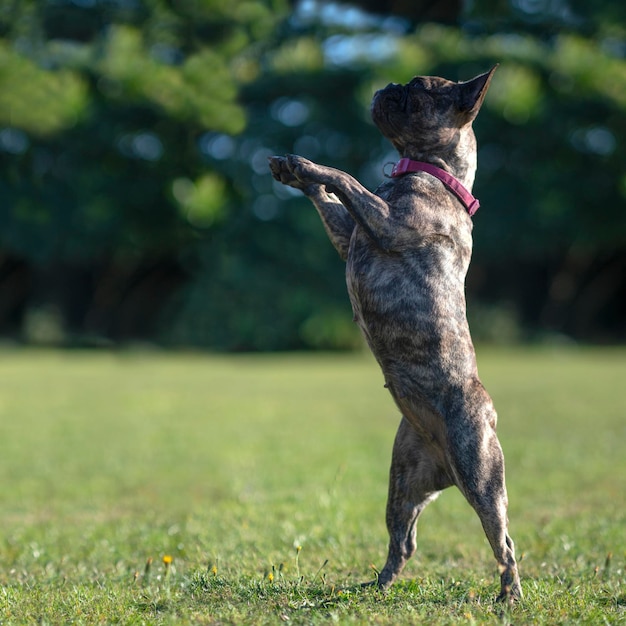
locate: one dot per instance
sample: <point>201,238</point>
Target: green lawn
<point>264,479</point>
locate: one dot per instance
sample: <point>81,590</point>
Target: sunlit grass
<point>159,488</point>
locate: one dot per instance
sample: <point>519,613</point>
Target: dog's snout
<point>393,87</point>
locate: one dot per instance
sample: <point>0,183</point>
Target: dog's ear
<point>471,93</point>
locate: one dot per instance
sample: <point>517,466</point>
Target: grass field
<point>263,480</point>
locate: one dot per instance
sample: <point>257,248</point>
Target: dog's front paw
<point>279,166</point>
<point>294,171</point>
<point>302,169</point>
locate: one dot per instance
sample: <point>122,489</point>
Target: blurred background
<point>136,203</point>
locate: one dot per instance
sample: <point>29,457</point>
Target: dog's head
<point>428,114</point>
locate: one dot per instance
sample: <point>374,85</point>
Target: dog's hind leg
<point>478,467</point>
<point>415,479</point>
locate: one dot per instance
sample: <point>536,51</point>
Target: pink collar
<point>404,166</point>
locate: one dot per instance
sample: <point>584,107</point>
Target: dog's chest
<point>408,300</point>
<point>424,275</point>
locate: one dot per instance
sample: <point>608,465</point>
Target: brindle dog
<point>407,248</point>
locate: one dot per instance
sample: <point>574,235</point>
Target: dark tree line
<point>136,201</point>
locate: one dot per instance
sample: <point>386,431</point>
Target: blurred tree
<point>551,164</point>
<point>551,238</point>
<point>101,107</point>
<point>133,145</point>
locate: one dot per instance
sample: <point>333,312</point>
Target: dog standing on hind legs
<point>407,249</point>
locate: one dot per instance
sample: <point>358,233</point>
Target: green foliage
<point>101,109</point>
<point>200,90</point>
<point>200,201</point>
<point>134,137</point>
<point>227,465</point>
<point>38,100</point>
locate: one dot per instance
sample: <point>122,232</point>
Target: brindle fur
<point>407,248</point>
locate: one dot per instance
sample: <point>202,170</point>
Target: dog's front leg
<point>368,210</point>
<point>337,222</point>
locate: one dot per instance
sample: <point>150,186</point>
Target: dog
<point>407,249</point>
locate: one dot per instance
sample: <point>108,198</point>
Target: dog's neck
<point>459,160</point>
<point>405,166</point>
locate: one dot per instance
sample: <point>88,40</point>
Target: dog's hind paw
<point>510,594</point>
